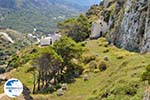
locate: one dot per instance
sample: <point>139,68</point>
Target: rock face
<point>99,28</point>
<point>129,22</point>
<point>146,95</point>
<point>132,25</point>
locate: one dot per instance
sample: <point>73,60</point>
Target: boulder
<point>60,92</point>
<point>106,58</point>
<point>85,77</point>
<point>64,86</point>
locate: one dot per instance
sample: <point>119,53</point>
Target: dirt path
<point>7,37</point>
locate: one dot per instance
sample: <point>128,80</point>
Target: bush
<point>128,89</point>
<point>86,71</point>
<point>93,97</point>
<point>106,58</point>
<point>146,74</point>
<point>2,70</point>
<point>88,58</point>
<point>57,86</point>
<point>49,89</point>
<point>92,66</point>
<point>102,66</point>
<point>83,44</point>
<point>120,57</point>
<point>14,62</point>
<point>106,51</point>
<point>96,71</point>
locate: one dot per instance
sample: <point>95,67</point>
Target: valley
<point>25,15</point>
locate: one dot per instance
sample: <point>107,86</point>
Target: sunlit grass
<point>120,81</point>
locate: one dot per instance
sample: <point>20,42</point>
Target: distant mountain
<point>80,5</point>
<point>25,15</point>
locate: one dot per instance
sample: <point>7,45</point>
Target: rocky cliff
<point>129,23</point>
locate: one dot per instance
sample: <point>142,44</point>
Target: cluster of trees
<point>46,65</point>
<point>78,29</point>
<point>56,63</point>
<point>51,65</point>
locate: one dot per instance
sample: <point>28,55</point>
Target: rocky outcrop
<point>99,28</point>
<point>129,22</point>
<point>146,41</point>
<point>146,95</point>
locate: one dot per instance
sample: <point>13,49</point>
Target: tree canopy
<point>76,28</point>
<point>69,50</point>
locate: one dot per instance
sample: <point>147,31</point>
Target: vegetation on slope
<point>25,15</point>
<point>47,65</point>
<point>7,49</point>
<point>120,79</point>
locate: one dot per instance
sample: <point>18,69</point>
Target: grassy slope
<point>121,80</point>
<point>122,76</point>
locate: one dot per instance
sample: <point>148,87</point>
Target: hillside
<point>24,15</point>
<point>120,81</point>
<point>11,41</point>
<point>128,23</point>
<point>101,55</point>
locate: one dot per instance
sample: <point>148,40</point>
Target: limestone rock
<point>99,28</point>
<point>129,24</point>
<point>60,92</point>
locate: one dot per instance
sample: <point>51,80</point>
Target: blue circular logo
<point>13,88</point>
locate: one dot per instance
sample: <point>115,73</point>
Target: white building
<point>49,40</point>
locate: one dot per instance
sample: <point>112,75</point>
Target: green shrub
<point>96,71</point>
<point>49,89</point>
<point>14,62</point>
<point>102,66</point>
<point>57,86</point>
<point>120,57</point>
<point>146,74</point>
<point>128,89</point>
<point>106,51</point>
<point>92,97</point>
<point>92,66</point>
<point>2,70</point>
<point>88,58</point>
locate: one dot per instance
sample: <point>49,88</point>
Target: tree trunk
<point>34,82</point>
<point>34,87</point>
<point>39,78</point>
